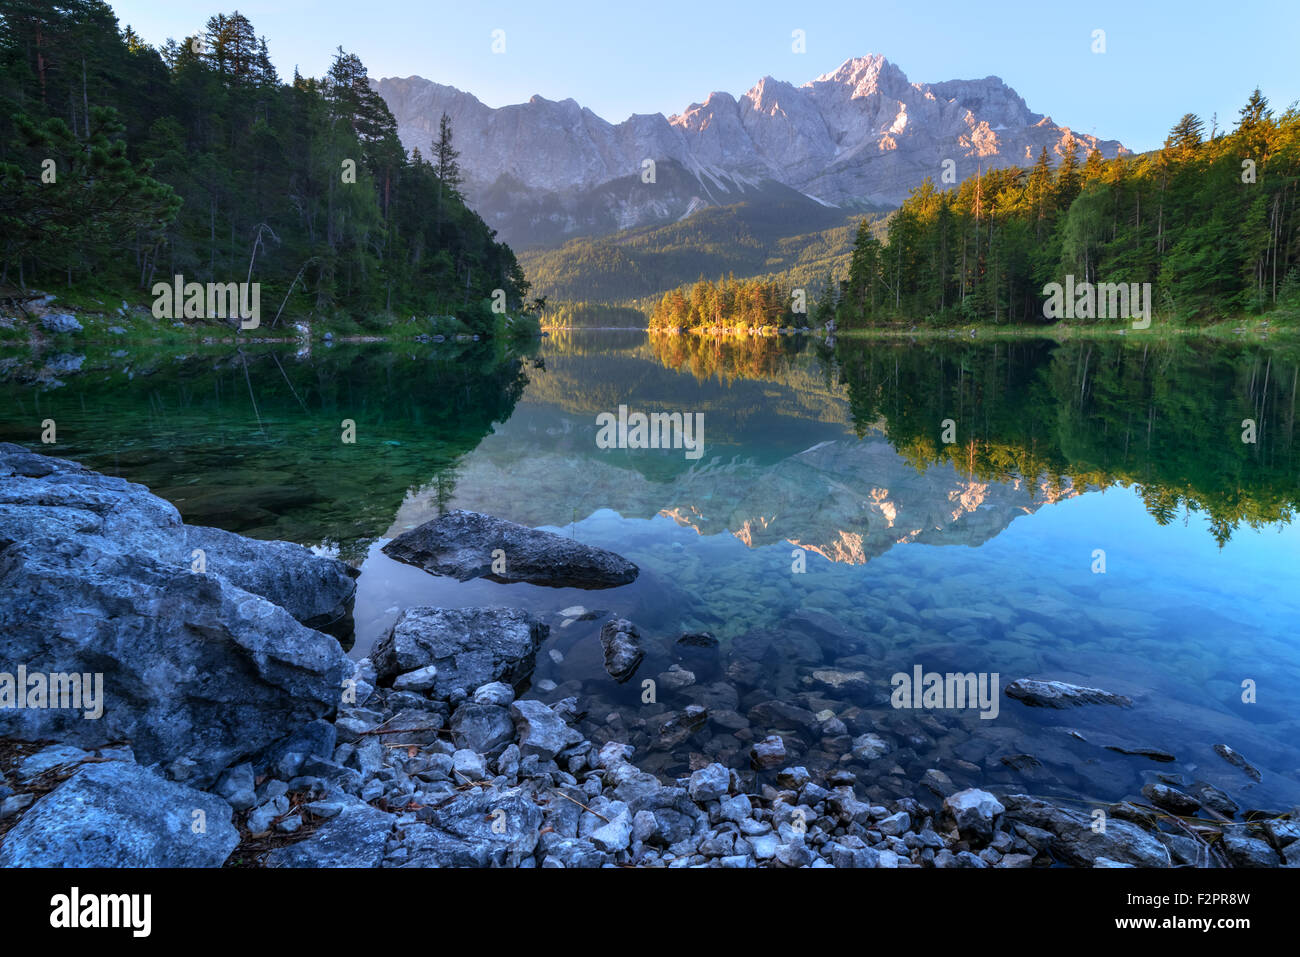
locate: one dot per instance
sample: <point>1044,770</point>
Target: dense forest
<point>124,164</point>
<point>770,236</point>
<point>1212,222</point>
<point>739,305</point>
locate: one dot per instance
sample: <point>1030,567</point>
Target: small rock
<point>1171,799</point>
<point>707,784</point>
<point>895,825</point>
<point>794,854</point>
<point>1245,851</point>
<point>1237,761</point>
<point>469,765</point>
<point>260,819</point>
<point>676,678</point>
<point>793,778</point>
<point>236,786</point>
<point>541,731</point>
<point>768,753</point>
<point>59,323</point>
<point>481,727</point>
<point>614,836</point>
<point>1213,798</point>
<point>422,679</point>
<point>869,747</point>
<point>735,808</point>
<point>973,812</point>
<point>12,805</point>
<point>621,643</point>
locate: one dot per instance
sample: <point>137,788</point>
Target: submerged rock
<point>1059,694</point>
<point>1171,799</point>
<point>1237,761</point>
<point>678,726</point>
<point>1142,751</point>
<point>698,639</point>
<point>768,753</point>
<point>622,646</point>
<point>465,545</point>
<point>1213,798</point>
<point>870,747</point>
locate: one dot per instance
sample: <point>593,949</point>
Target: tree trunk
<point>85,98</point>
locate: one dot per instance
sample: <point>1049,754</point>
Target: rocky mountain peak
<point>863,75</point>
<point>862,135</point>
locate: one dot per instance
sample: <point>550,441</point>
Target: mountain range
<point>857,138</point>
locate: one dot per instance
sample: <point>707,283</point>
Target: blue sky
<point>1162,58</point>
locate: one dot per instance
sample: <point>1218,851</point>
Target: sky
<point>1161,58</point>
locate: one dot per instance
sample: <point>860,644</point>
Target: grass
<point>107,318</point>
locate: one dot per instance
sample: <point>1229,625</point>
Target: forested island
<point>1209,220</point>
<point>124,165</point>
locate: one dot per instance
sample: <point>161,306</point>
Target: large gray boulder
<point>118,814</point>
<point>197,672</point>
<point>462,544</point>
<point>317,591</point>
<point>470,646</point>
<point>45,500</point>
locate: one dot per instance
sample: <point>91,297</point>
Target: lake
<point>1111,513</point>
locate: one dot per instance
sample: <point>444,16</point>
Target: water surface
<point>829,537</point>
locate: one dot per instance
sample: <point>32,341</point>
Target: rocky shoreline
<point>236,732</point>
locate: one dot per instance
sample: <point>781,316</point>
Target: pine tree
<point>1067,174</point>
<point>445,158</point>
<point>1185,138</point>
<point>1255,126</point>
<point>446,164</point>
<point>1039,189</point>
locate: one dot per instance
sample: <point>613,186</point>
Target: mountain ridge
<point>860,136</point>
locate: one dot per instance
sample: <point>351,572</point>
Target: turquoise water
<point>828,537</point>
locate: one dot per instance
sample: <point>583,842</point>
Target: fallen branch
<point>581,805</point>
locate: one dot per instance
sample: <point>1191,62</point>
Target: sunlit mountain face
<point>1080,510</point>
<point>860,136</point>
